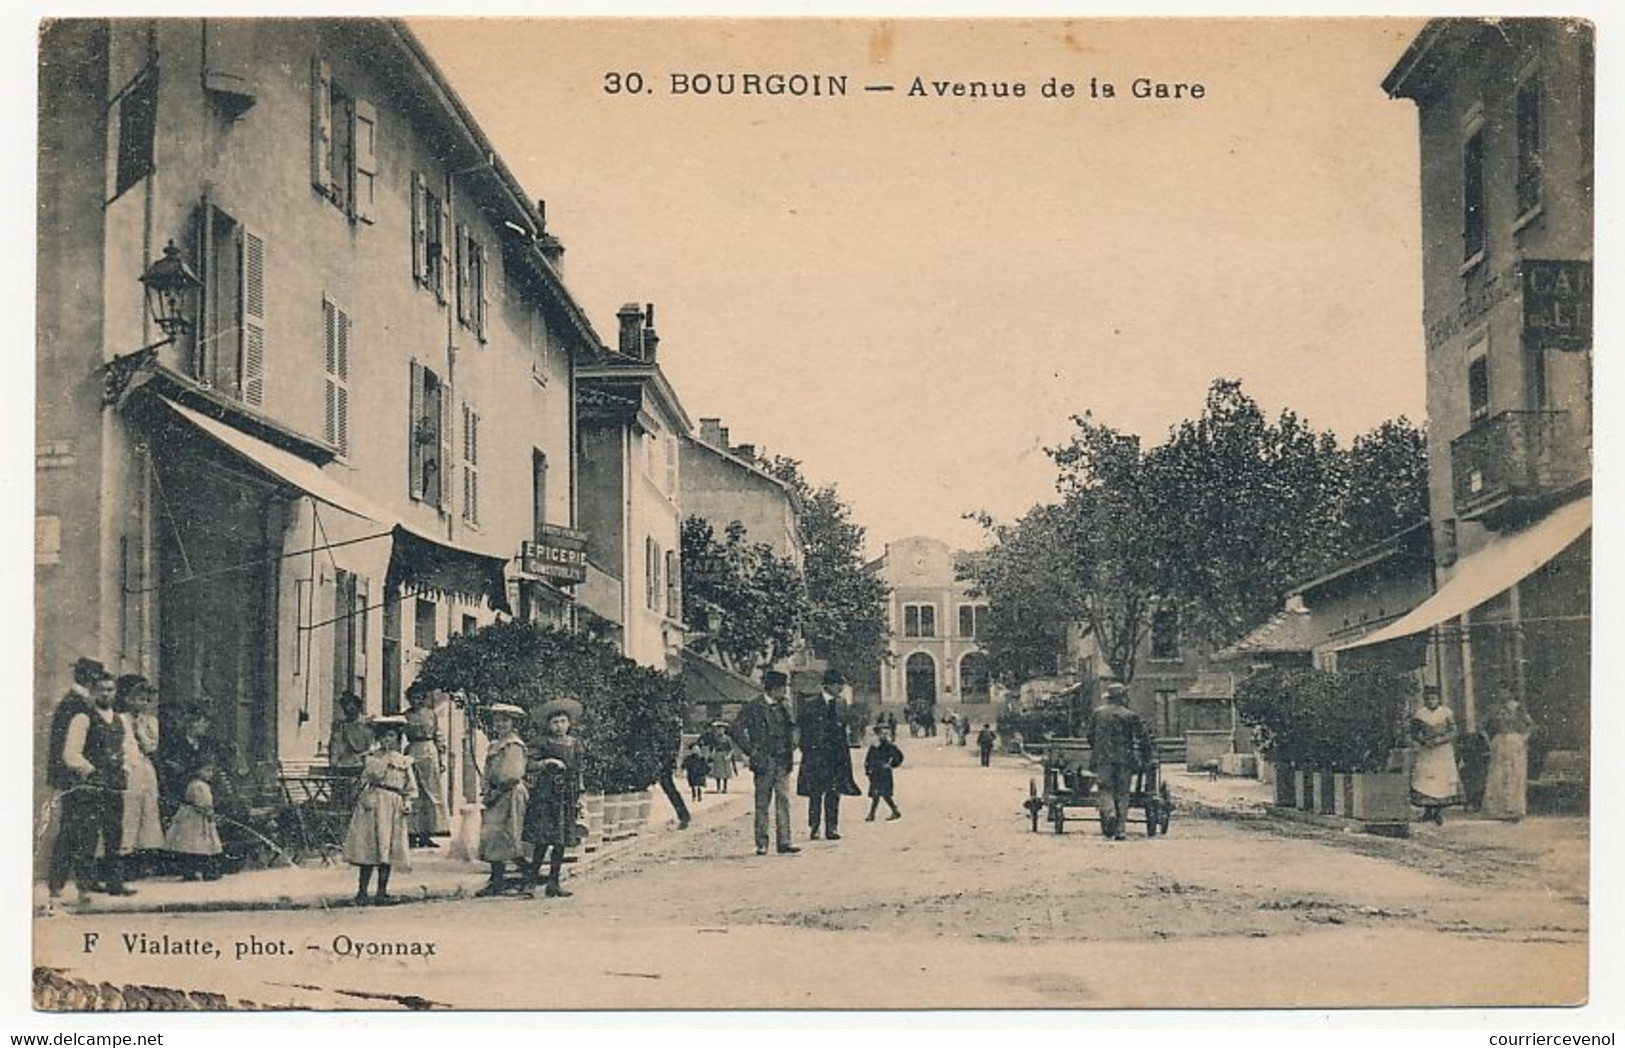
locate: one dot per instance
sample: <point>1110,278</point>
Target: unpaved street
<point>955,905</point>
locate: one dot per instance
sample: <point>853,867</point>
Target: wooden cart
<point>1069,784</point>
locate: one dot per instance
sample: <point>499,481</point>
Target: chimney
<point>631,318</point>
<point>722,438</point>
<point>551,247</point>
<point>651,340</point>
<point>746,451</point>
<point>711,431</point>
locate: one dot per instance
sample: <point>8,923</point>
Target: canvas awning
<point>418,560</point>
<point>707,682</point>
<point>1508,559</point>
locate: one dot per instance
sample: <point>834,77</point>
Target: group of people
<point>117,782</point>
<point>1493,780</point>
<point>712,756</point>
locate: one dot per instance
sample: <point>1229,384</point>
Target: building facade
<point>1505,120</point>
<point>937,660</point>
<point>724,482</point>
<point>359,443</point>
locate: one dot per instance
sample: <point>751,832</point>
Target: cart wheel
<point>1032,787</point>
<point>1153,815</point>
<point>1057,815</point>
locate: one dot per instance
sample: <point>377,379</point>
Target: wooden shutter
<point>362,612</point>
<point>460,251</point>
<point>321,126</point>
<point>445,252</point>
<point>446,467</point>
<point>364,151</point>
<point>253,327</point>
<point>414,450</point>
<point>471,464</point>
<point>336,329</point>
<point>482,303</point>
<point>420,229</point>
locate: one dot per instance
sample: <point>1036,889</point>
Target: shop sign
<point>559,555</point>
<point>1556,304</point>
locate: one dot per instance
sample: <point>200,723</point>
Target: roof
<point>645,377</point>
<point>1286,632</point>
<point>1413,542</point>
<point>748,466</point>
<point>1212,686</point>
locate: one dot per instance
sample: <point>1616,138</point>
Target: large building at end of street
<point>937,660</point>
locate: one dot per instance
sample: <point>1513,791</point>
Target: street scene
<point>906,554</point>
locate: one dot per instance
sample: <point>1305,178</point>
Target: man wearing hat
<point>86,764</point>
<point>766,734</point>
<point>826,759</point>
<point>555,765</point>
<point>502,825</point>
<point>1118,747</point>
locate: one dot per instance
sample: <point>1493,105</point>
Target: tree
<point>846,613</point>
<point>758,597</point>
<point>1028,578</point>
<point>1387,484</point>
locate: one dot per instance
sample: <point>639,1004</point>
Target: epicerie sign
<point>560,554</point>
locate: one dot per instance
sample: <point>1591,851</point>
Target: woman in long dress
<point>502,825</point>
<point>141,829</point>
<point>377,838</point>
<point>426,745</point>
<point>1435,783</point>
<point>1506,786</point>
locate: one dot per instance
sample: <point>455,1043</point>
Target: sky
<point>913,295</point>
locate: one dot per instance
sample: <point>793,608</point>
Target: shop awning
<point>418,560</point>
<point>283,465</point>
<point>1507,560</point>
<point>707,682</point>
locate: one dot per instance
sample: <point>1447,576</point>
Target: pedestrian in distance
<point>1119,746</point>
<point>766,734</point>
<point>879,766</point>
<point>696,767</point>
<point>826,758</point>
<point>378,838</point>
<point>722,757</point>
<point>194,832</point>
<point>426,745</point>
<point>984,744</point>
<point>86,765</point>
<point>555,763</point>
<point>502,825</point>
<point>1435,781</point>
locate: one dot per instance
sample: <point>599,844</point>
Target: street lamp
<point>170,284</point>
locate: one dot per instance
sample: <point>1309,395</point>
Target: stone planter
<point>593,803</point>
<point>1286,788</point>
<point>614,817</point>
<point>1267,772</point>
<point>1306,783</point>
<point>1326,792</point>
<point>1380,796</point>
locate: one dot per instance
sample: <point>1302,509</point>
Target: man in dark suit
<point>86,764</point>
<point>826,759</point>
<point>765,732</point>
<point>1118,747</point>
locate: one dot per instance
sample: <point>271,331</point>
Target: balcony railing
<point>1511,463</point>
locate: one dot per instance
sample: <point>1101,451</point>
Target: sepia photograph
<point>834,514</point>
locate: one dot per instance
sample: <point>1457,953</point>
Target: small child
<point>883,756</point>
<point>722,759</point>
<point>193,833</point>
<point>377,838</point>
<point>697,767</point>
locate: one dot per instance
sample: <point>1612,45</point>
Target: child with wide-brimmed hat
<point>377,837</point>
<point>502,825</point>
<point>556,761</point>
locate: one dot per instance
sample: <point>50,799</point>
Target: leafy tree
<point>846,614</point>
<point>1028,577</point>
<point>1387,483</point>
<point>632,716</point>
<point>759,597</point>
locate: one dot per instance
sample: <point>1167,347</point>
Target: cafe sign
<point>559,554</point>
<point>1556,304</point>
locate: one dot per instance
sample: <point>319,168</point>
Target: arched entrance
<point>973,678</point>
<point>920,680</point>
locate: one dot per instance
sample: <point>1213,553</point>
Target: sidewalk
<point>434,875</point>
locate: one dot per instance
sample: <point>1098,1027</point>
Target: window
<point>538,492</point>
<point>470,624</point>
<point>919,620</point>
<point>651,574</point>
<point>1478,382</point>
<point>429,436</point>
<point>229,350</point>
<point>671,466</point>
<point>1472,196</point>
<point>471,464</point>
<point>423,624</point>
<point>391,649</point>
<point>473,301</point>
<point>1166,713</point>
<point>336,418</point>
<point>1165,634</point>
<point>1530,160</point>
<point>136,125</point>
<point>674,587</point>
<point>431,248</point>
<point>971,619</point>
<point>349,636</point>
<point>343,145</point>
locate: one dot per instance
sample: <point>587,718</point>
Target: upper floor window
<point>230,343</point>
<point>336,417</point>
<point>1478,381</point>
<point>919,620</point>
<point>473,283</point>
<point>343,144</point>
<point>971,619</point>
<point>429,437</point>
<point>674,587</point>
<point>431,247</point>
<point>427,613</point>
<point>135,127</point>
<point>1530,158</point>
<point>471,464</point>
<point>1472,196</point>
<point>652,563</point>
<point>1165,634</point>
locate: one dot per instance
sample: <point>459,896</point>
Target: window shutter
<point>342,400</point>
<point>445,449</point>
<point>484,290</point>
<point>445,252</point>
<point>420,229</point>
<point>414,450</point>
<point>253,334</point>
<point>460,250</point>
<point>330,414</point>
<point>321,126</point>
<point>471,464</point>
<point>364,151</point>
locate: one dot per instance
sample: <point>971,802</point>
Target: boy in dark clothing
<point>883,756</point>
<point>697,766</point>
<point>984,744</point>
